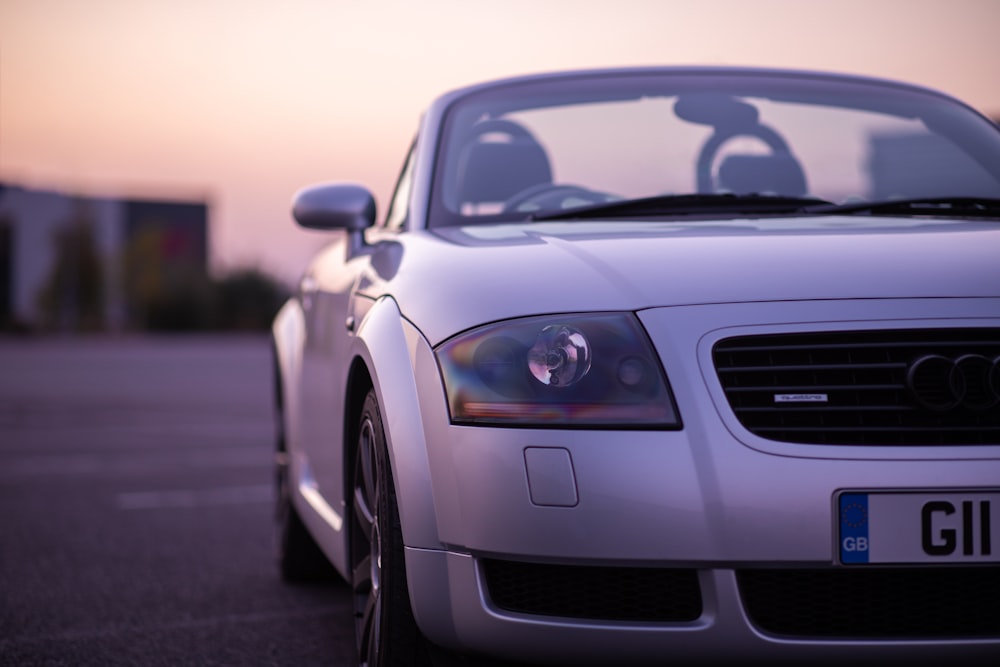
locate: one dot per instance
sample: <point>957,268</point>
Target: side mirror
<point>336,206</point>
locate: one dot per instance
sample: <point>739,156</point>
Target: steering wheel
<point>549,196</point>
<point>706,181</point>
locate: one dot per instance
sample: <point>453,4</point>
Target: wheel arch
<point>384,361</point>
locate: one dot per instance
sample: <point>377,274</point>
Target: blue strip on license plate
<point>854,528</point>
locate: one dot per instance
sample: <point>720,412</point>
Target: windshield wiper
<point>966,207</point>
<point>690,204</point>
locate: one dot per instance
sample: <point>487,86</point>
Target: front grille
<point>600,593</point>
<point>961,602</point>
<point>923,387</point>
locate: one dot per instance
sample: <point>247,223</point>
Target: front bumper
<point>464,618</point>
<point>712,499</point>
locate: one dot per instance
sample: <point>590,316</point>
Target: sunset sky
<point>242,102</point>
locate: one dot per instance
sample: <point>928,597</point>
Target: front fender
<point>393,351</point>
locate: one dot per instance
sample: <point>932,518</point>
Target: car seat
<point>501,159</point>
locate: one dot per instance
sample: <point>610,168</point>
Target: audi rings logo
<point>939,383</point>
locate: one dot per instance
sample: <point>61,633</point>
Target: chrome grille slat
<point>843,346</point>
<point>814,387</point>
<point>814,367</point>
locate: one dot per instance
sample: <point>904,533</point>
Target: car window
<point>525,151</point>
<point>400,200</point>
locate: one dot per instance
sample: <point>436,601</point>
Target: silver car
<point>656,365</point>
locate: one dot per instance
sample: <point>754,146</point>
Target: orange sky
<point>245,101</point>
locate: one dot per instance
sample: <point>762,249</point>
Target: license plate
<point>918,527</point>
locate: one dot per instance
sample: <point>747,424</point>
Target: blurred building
<point>76,263</point>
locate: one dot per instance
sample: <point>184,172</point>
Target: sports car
<point>656,365</point>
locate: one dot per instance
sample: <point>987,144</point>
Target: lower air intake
<point>600,593</point>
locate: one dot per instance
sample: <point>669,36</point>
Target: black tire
<point>386,632</point>
<point>299,557</point>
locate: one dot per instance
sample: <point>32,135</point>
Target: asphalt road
<point>135,510</point>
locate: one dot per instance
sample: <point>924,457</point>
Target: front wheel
<point>386,632</point>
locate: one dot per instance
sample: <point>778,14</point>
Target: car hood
<point>452,279</point>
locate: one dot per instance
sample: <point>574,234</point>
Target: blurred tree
<point>167,295</point>
<point>167,289</point>
<point>184,304</point>
<point>163,293</point>
<point>6,271</point>
<point>247,300</point>
<point>72,298</point>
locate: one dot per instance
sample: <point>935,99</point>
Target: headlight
<point>561,370</point>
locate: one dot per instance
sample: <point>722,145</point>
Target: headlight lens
<point>564,370</point>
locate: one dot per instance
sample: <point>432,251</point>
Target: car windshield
<point>523,149</point>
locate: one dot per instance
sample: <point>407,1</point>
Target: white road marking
<point>192,498</point>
